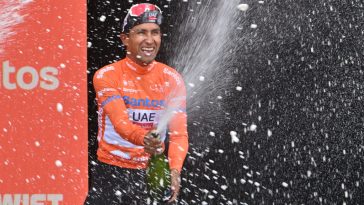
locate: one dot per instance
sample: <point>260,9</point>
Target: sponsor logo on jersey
<point>129,83</point>
<point>147,126</point>
<point>101,92</point>
<point>144,118</point>
<point>173,75</point>
<point>130,90</point>
<point>157,88</point>
<point>145,102</point>
<point>101,73</point>
<point>109,99</point>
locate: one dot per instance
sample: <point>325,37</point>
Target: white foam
<point>10,17</point>
<point>253,25</point>
<point>102,18</point>
<point>118,193</point>
<point>59,107</point>
<point>234,137</point>
<point>224,187</point>
<point>243,7</point>
<point>58,163</point>
<point>253,127</point>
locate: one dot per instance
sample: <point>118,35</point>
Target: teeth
<point>147,49</point>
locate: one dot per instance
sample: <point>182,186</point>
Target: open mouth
<point>148,51</point>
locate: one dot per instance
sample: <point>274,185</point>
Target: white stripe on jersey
<point>144,118</point>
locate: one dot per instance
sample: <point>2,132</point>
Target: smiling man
<point>133,94</point>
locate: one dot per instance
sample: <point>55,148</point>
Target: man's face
<point>143,42</point>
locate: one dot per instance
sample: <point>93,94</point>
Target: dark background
<point>301,73</point>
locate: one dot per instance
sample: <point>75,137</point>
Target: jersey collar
<point>138,68</point>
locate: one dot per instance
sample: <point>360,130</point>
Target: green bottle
<point>158,177</point>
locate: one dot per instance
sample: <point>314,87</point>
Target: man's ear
<point>124,38</point>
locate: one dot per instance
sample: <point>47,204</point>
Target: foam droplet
<point>234,137</point>
<point>59,107</point>
<point>102,18</point>
<point>253,127</point>
<point>58,163</point>
<point>118,193</point>
<point>243,7</point>
<point>269,133</point>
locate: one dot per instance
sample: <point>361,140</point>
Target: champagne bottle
<point>158,177</point>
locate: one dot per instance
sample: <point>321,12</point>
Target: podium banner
<point>43,92</point>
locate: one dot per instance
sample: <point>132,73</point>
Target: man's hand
<point>175,184</point>
<point>152,144</point>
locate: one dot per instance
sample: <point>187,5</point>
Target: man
<point>133,95</point>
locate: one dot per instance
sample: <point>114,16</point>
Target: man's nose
<point>149,38</point>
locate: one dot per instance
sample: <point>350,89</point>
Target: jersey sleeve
<point>178,136</point>
<point>112,104</point>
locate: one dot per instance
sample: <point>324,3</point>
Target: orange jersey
<point>131,101</point>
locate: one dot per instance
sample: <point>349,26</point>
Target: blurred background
<point>275,95</point>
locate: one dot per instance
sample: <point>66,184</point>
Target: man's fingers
<point>152,145</point>
<point>153,148</point>
<point>174,197</point>
<point>175,185</point>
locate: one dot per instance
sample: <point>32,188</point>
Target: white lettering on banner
<point>46,78</point>
<point>30,199</point>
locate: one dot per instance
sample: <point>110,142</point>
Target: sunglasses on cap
<point>138,9</point>
<point>142,13</point>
